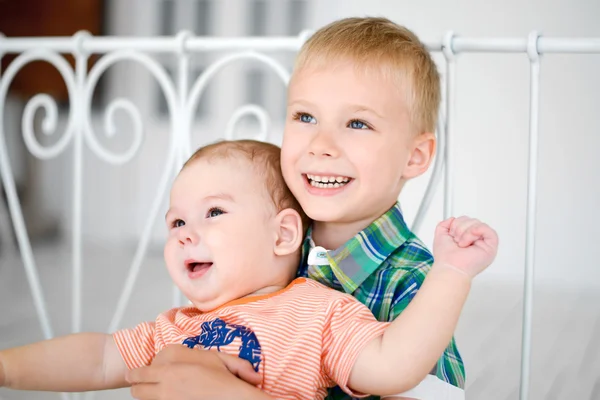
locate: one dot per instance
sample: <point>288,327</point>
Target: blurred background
<point>491,147</point>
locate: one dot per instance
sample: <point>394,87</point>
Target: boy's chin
<point>325,214</point>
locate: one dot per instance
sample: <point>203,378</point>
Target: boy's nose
<point>323,145</point>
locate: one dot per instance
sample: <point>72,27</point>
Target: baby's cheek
<point>168,250</point>
<point>220,239</point>
<point>170,254</point>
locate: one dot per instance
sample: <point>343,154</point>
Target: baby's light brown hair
<point>378,44</point>
<point>266,159</point>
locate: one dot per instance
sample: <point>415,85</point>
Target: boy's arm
<point>74,363</point>
<point>406,352</point>
<point>401,358</point>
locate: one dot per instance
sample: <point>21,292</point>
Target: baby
<point>235,232</point>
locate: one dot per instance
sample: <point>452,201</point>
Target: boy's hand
<point>465,244</point>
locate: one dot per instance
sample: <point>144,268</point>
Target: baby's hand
<point>465,244</point>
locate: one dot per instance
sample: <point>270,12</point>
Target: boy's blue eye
<point>214,212</point>
<point>307,119</point>
<point>356,124</point>
<point>178,223</point>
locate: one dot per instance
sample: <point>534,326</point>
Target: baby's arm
<point>74,363</point>
<point>401,358</point>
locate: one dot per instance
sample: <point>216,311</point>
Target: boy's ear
<point>288,233</point>
<point>421,156</point>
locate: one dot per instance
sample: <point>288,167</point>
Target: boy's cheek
<point>287,167</point>
<point>286,148</point>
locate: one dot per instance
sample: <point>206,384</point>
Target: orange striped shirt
<point>302,339</point>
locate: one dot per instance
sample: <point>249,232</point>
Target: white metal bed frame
<point>182,98</point>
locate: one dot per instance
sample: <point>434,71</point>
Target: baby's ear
<point>288,233</point>
<point>421,156</point>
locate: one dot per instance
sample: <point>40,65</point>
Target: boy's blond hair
<point>380,44</point>
<point>266,159</point>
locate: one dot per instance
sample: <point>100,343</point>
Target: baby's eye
<point>357,124</point>
<point>305,118</point>
<point>214,212</point>
<point>178,223</point>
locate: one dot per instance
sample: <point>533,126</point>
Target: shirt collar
<point>359,257</point>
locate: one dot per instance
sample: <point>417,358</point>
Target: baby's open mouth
<point>327,182</point>
<point>195,266</point>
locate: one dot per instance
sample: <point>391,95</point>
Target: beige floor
<point>566,345</point>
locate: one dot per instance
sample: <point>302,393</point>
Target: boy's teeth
<point>328,180</point>
<point>327,185</point>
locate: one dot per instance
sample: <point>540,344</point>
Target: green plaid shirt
<point>382,266</point>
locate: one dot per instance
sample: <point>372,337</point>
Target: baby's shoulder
<point>316,294</point>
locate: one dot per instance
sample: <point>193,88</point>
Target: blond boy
<point>362,109</point>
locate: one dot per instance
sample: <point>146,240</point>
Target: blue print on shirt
<point>219,333</point>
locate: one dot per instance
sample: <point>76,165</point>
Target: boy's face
<point>346,144</point>
<point>221,232</point>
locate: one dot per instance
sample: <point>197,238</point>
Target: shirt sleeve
<point>136,345</point>
<point>349,327</point>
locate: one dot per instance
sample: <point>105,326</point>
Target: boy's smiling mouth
<point>327,181</point>
<point>325,184</point>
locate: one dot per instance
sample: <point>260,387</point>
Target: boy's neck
<point>332,235</point>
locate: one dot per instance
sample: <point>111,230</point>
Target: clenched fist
<point>465,244</point>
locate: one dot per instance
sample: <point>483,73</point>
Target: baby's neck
<point>283,271</point>
<point>265,290</point>
<point>278,280</point>
<point>268,289</point>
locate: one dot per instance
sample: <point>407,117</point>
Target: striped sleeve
<point>136,345</point>
<point>349,328</point>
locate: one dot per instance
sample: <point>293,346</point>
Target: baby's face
<point>347,140</point>
<point>221,232</point>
